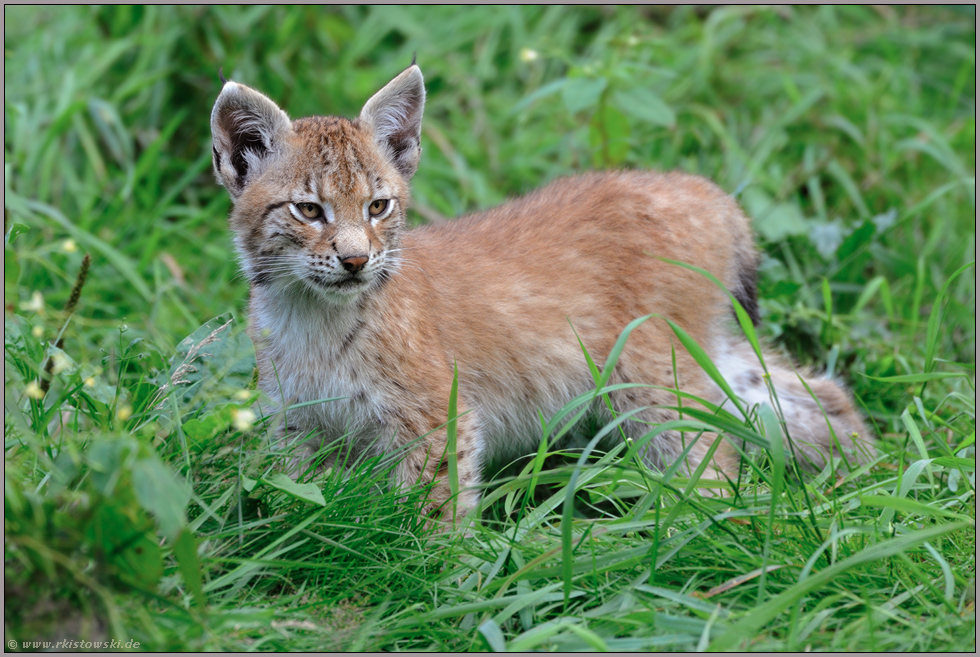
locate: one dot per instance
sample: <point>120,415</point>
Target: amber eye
<point>377,207</point>
<point>309,210</point>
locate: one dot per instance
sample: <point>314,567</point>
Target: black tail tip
<point>747,294</point>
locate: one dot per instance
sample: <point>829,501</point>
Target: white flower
<point>60,362</point>
<point>69,246</point>
<point>528,55</point>
<point>242,419</point>
<point>35,305</point>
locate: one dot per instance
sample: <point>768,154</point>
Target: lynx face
<point>319,202</point>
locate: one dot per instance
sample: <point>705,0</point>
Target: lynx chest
<point>316,369</point>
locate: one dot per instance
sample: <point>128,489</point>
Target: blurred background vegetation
<point>848,134</point>
<point>833,125</point>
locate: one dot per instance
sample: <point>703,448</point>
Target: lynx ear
<point>395,116</point>
<point>247,129</point>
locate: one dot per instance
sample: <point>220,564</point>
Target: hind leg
<point>664,449</point>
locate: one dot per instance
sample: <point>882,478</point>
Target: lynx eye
<point>378,207</point>
<point>310,210</point>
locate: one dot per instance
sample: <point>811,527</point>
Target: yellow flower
<point>528,55</point>
<point>124,413</point>
<point>90,382</point>
<point>37,331</point>
<point>33,390</point>
<point>69,246</point>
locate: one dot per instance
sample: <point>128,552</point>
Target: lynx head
<point>319,203</point>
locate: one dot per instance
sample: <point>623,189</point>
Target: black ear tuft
<point>246,143</point>
<point>221,75</point>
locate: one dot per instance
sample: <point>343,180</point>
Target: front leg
<point>301,447</point>
<point>428,462</point>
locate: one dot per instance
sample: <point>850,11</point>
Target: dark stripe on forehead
<point>328,139</point>
<point>340,151</point>
<point>326,126</point>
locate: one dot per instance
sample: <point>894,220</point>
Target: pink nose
<point>353,264</point>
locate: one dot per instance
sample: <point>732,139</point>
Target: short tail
<point>744,264</point>
<point>820,418</point>
<point>745,290</point>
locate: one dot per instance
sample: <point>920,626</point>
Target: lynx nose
<point>353,264</point>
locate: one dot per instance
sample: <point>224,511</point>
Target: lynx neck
<point>303,322</point>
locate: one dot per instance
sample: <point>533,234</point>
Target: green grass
<point>138,510</point>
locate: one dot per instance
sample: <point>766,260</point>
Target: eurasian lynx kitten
<point>346,302</point>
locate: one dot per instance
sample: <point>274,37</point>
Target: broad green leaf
<point>217,354</point>
<point>125,540</point>
<point>644,104</point>
<point>774,221</point>
<point>826,237</point>
<point>162,493</point>
<point>493,636</point>
<point>540,92</point>
<point>609,136</point>
<point>861,237</point>
<point>582,93</point>
<point>185,551</point>
<point>307,492</point>
<point>11,273</point>
<point>141,561</point>
<point>202,429</point>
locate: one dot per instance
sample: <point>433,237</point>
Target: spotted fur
<point>354,307</point>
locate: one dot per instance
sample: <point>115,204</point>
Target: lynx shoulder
<point>348,304</point>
